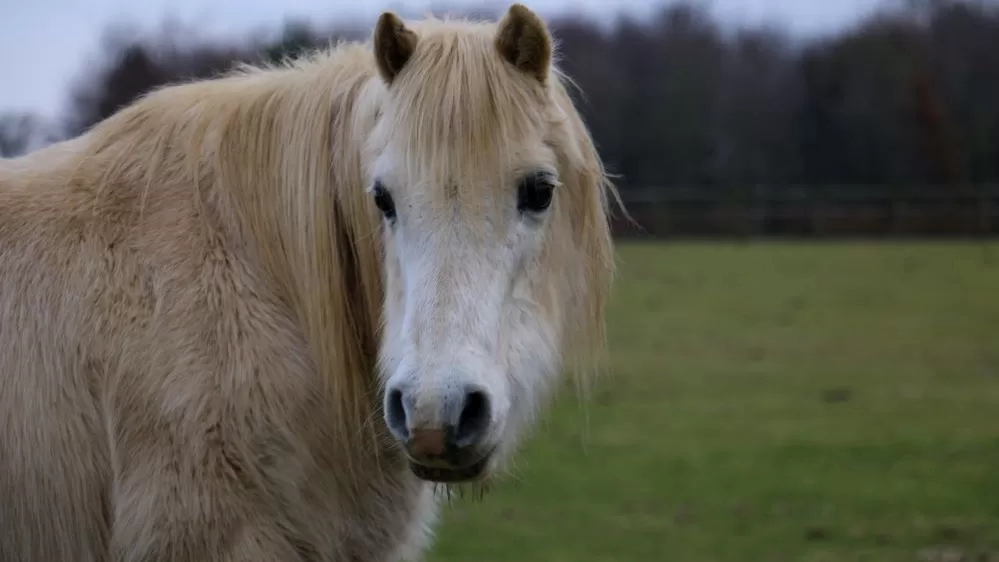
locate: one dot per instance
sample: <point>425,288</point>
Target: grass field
<point>768,402</point>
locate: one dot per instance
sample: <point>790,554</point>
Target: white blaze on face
<point>467,345</point>
<point>460,167</point>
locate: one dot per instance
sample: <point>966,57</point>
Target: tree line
<point>905,98</point>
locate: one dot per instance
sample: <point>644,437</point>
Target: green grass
<point>767,402</point>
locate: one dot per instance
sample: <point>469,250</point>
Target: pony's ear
<point>394,45</point>
<point>523,40</point>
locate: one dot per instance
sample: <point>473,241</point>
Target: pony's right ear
<point>394,45</point>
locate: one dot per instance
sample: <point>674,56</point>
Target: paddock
<point>769,401</point>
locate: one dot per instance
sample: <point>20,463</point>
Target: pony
<point>265,316</point>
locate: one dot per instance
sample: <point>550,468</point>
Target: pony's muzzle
<point>444,430</point>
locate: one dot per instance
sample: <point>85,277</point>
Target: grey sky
<point>45,43</point>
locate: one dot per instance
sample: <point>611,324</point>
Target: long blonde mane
<point>274,158</point>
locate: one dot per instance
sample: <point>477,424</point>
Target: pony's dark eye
<point>383,200</point>
<point>534,194</point>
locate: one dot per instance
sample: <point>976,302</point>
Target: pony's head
<point>498,252</point>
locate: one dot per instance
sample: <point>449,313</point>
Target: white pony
<point>257,318</point>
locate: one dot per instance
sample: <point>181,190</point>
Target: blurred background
<point>805,331</point>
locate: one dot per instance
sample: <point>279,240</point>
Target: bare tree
<point>21,133</point>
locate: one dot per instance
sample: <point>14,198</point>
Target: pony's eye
<point>383,200</point>
<point>534,194</point>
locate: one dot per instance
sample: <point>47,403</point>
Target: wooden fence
<point>869,211</point>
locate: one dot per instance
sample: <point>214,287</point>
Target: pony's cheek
<point>531,364</point>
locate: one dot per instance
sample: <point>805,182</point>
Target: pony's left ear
<point>523,40</point>
<point>394,45</point>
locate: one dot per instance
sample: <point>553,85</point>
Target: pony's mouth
<point>450,475</point>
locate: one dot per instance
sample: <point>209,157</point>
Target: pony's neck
<point>298,158</point>
<point>276,154</point>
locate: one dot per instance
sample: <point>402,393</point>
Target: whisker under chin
<point>474,491</point>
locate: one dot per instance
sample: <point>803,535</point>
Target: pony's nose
<point>445,427</point>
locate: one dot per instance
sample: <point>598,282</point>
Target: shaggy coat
<point>191,306</point>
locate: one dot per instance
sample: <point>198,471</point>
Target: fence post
<point>816,205</point>
<point>985,210</point>
<point>894,204</point>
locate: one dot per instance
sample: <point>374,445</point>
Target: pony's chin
<point>451,475</point>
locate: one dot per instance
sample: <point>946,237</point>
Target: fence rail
<point>810,211</point>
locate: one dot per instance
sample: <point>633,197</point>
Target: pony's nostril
<point>474,419</point>
<point>395,415</point>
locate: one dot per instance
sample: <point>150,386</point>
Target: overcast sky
<point>45,43</point>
